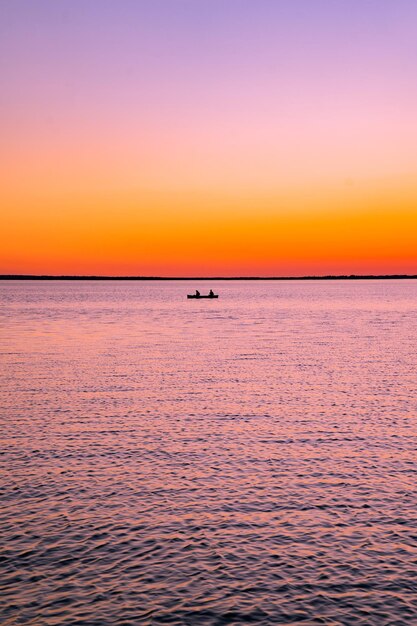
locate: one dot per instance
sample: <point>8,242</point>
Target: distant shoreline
<point>212,278</point>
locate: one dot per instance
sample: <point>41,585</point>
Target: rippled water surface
<point>246,460</point>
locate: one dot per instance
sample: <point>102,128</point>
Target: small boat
<point>195,297</point>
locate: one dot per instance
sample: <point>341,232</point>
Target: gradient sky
<point>215,137</point>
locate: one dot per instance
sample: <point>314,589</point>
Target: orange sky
<point>164,234</point>
<point>166,150</point>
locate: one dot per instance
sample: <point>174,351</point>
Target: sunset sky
<point>208,137</point>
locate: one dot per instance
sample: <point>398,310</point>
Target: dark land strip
<point>194,278</point>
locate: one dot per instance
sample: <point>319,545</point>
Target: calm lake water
<point>250,459</point>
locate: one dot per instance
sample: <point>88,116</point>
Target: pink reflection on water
<point>254,454</point>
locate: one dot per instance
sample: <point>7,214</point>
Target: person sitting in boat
<point>197,293</point>
<point>211,293</point>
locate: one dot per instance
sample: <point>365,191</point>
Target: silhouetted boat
<point>194,297</point>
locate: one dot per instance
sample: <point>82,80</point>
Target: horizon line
<point>146,278</point>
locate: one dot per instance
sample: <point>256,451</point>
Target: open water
<point>246,460</point>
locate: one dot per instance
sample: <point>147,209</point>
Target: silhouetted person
<point>211,294</point>
<point>197,293</point>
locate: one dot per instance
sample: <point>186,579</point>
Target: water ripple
<point>248,463</point>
